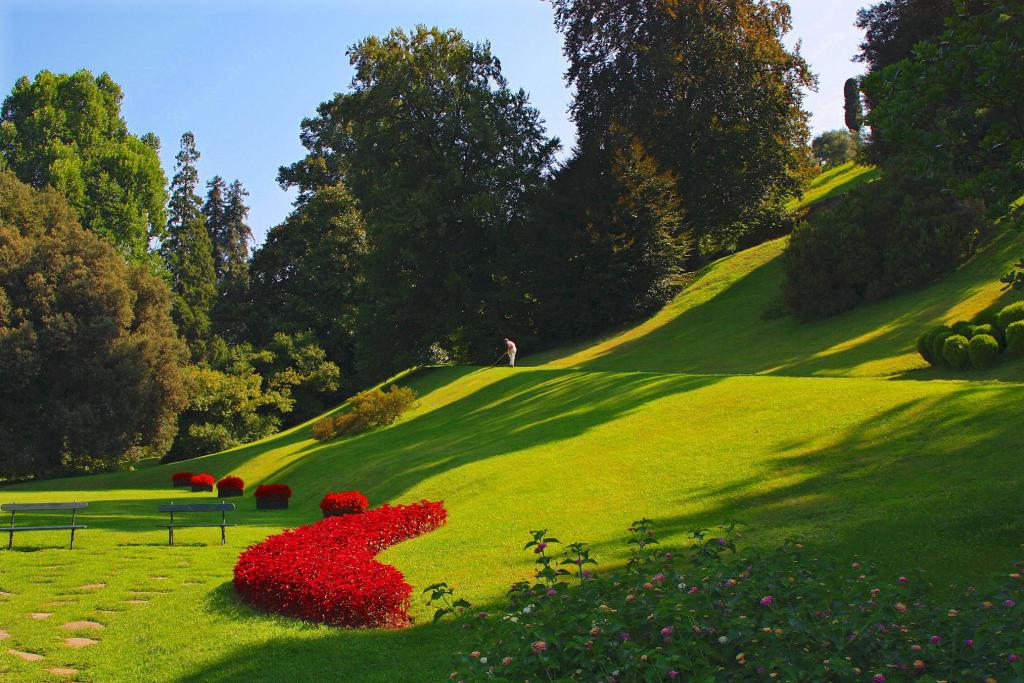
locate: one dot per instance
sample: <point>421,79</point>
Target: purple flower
<point>623,636</point>
<point>1014,658</point>
<point>668,556</point>
<point>587,574</point>
<point>935,640</point>
<point>672,674</point>
<point>694,589</point>
<point>540,548</point>
<point>767,600</point>
<point>878,678</point>
<point>722,541</point>
<point>1008,603</point>
<point>968,643</point>
<point>552,591</point>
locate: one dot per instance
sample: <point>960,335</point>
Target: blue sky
<point>242,75</point>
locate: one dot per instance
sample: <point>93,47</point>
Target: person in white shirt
<point>510,349</point>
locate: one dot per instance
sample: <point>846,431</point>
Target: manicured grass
<point>707,412</point>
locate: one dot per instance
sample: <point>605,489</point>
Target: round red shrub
<point>274,491</point>
<point>326,572</point>
<point>344,503</point>
<point>182,476</point>
<point>203,479</point>
<point>231,483</point>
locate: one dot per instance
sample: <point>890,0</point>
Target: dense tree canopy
<point>66,130</point>
<point>708,87</point>
<point>188,252</point>
<point>443,157</point>
<point>90,371</point>
<point>892,28</point>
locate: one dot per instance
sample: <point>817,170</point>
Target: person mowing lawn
<point>510,351</point>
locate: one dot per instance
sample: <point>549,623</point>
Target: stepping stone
<point>5,594</point>
<point>159,578</point>
<point>42,615</point>
<point>58,603</point>
<point>79,642</point>
<point>62,671</point>
<point>4,635</point>
<point>27,656</point>
<point>136,602</point>
<point>93,586</point>
<point>77,625</point>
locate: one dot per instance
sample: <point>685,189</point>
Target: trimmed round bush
<point>939,336</point>
<point>983,350</point>
<point>1010,314</point>
<point>991,330</point>
<point>962,327</point>
<point>954,351</point>
<point>1015,338</point>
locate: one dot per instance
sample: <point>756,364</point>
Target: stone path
<point>41,615</point>
<point>79,642</point>
<point>62,671</point>
<point>80,625</point>
<point>27,656</point>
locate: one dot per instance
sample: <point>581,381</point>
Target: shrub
<point>344,503</point>
<point>326,572</point>
<point>878,239</point>
<point>203,479</point>
<point>991,330</point>
<point>372,408</point>
<point>735,617</point>
<point>954,351</point>
<point>1015,338</point>
<point>181,476</point>
<point>273,491</point>
<point>231,483</point>
<point>1010,314</point>
<point>983,350</point>
<point>926,344</point>
<point>962,327</point>
<point>939,337</point>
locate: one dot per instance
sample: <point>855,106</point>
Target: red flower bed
<point>344,503</point>
<point>326,572</point>
<point>273,491</point>
<point>182,476</point>
<point>231,483</point>
<point>202,479</point>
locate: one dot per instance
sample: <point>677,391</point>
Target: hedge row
<point>964,344</point>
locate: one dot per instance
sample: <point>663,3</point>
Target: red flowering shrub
<point>344,503</point>
<point>202,479</point>
<point>230,483</point>
<point>273,491</point>
<point>181,476</point>
<point>326,572</point>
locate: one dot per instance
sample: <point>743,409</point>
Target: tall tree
<point>305,276</point>
<point>234,242</point>
<point>708,87</point>
<point>853,107</point>
<point>187,251</point>
<point>893,27</point>
<point>66,130</point>
<point>443,157</point>
<point>90,364</point>
<point>215,215</point>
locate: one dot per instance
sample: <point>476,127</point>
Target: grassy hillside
<point>706,412</point>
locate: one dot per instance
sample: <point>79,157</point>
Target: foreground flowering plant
<point>773,616</point>
<point>326,572</point>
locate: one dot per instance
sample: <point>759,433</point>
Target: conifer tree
<point>214,211</point>
<point>232,247</point>
<point>188,252</point>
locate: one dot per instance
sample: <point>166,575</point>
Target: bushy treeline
<point>942,91</point>
<point>432,217</point>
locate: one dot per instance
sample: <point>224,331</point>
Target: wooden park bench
<point>31,507</point>
<point>222,508</point>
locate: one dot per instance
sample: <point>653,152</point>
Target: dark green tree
<point>892,28</point>
<point>305,275</point>
<point>66,131</point>
<point>835,147</point>
<point>188,253</point>
<point>215,217</point>
<point>90,363</point>
<point>708,87</point>
<point>444,158</point>
<point>232,245</point>
<point>853,106</point>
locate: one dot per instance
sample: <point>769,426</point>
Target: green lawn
<point>829,430</point>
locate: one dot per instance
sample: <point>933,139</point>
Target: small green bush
<point>962,327</point>
<point>991,330</point>
<point>1010,314</point>
<point>983,350</point>
<point>954,351</point>
<point>1015,338</point>
<point>924,346</point>
<point>373,408</point>
<point>938,339</point>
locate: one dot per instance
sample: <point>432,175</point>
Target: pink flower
<point>694,589</point>
<point>767,601</point>
<point>648,586</point>
<point>900,607</point>
<point>669,556</point>
<point>915,648</point>
<point>1014,658</point>
<point>539,646</point>
<point>552,591</point>
<point>667,631</point>
<point>968,643</point>
<point>1008,603</point>
<point>658,578</point>
<point>935,640</point>
<point>878,678</point>
<point>672,674</point>
<point>903,579</point>
<point>588,644</point>
<point>540,548</point>
<point>506,661</point>
<point>474,653</point>
<point>482,615</point>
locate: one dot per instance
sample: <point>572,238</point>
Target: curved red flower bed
<point>344,503</point>
<point>326,572</point>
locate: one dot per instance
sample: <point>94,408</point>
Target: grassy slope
<point>704,413</point>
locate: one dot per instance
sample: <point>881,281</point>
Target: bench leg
<point>72,539</point>
<point>10,542</point>
<point>170,535</point>
<point>223,536</point>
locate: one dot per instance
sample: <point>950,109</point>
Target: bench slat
<point>9,529</point>
<point>182,526</point>
<point>19,507</point>
<point>198,507</point>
